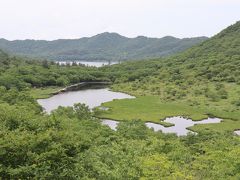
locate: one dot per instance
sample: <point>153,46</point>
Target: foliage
<point>22,74</point>
<point>64,145</point>
<point>72,144</point>
<point>205,77</point>
<point>105,46</point>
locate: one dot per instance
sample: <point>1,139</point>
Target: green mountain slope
<point>226,43</point>
<point>216,59</point>
<point>206,77</point>
<point>105,46</point>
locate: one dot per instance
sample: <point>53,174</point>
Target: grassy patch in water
<point>152,109</point>
<point>149,108</point>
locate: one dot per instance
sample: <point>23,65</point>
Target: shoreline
<point>80,85</point>
<point>162,123</point>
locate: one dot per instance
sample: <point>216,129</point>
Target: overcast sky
<point>54,19</point>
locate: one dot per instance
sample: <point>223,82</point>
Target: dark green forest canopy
<point>71,143</point>
<point>105,46</point>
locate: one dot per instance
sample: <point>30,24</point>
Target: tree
<point>82,111</point>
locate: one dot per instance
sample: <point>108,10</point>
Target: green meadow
<point>152,109</point>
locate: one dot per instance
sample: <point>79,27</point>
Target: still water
<point>95,97</point>
<point>237,132</point>
<point>89,63</point>
<point>90,97</point>
<point>180,125</point>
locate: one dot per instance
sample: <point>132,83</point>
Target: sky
<point>70,19</point>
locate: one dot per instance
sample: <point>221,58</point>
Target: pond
<point>110,123</point>
<point>95,97</point>
<point>180,125</point>
<point>90,97</point>
<point>89,63</point>
<point>237,132</point>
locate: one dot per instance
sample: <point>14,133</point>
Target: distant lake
<point>89,63</point>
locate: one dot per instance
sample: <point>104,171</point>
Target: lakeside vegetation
<point>71,143</point>
<point>205,77</point>
<point>149,108</point>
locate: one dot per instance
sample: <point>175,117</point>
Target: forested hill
<point>224,44</point>
<point>216,59</point>
<point>206,76</point>
<point>105,46</point>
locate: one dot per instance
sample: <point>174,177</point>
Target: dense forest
<point>105,46</point>
<point>71,143</point>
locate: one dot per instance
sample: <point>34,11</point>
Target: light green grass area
<point>193,95</point>
<point>225,125</point>
<point>151,108</point>
<point>43,93</point>
<point>154,109</point>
